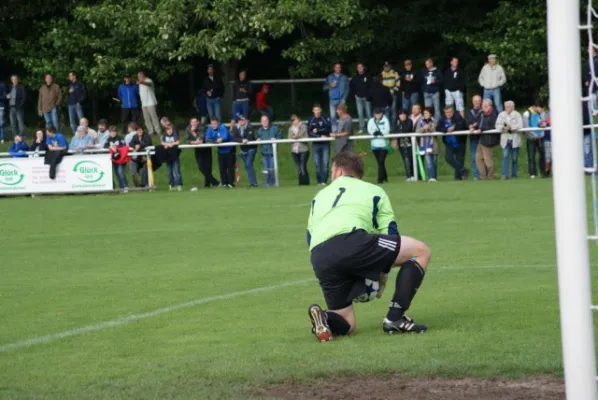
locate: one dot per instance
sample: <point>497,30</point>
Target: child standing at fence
<point>428,145</point>
<point>170,142</point>
<point>119,153</point>
<point>405,125</point>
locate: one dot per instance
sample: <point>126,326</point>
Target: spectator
<point>592,64</point>
<point>217,133</point>
<point>18,148</point>
<point>344,129</point>
<point>119,154</point>
<point>472,117</point>
<point>484,157</point>
<point>90,132</point>
<point>131,133</point>
<point>241,95</point>
<point>416,115</point>
<point>139,143</point>
<point>49,98</point>
<point>39,142</point>
<point>392,81</point>
<point>405,125</point>
<point>164,123</point>
<point>261,102</point>
<point>547,143</point>
<point>242,132</point>
<point>77,95</point>
<point>337,86</point>
<point>456,145</point>
<point>194,134</point>
<point>588,137</point>
<point>3,97</point>
<point>360,86</point>
<point>509,122</point>
<point>318,126</point>
<point>16,101</point>
<point>380,96</point>
<point>170,142</point>
<point>214,89</point>
<point>432,83</point>
<point>127,95</point>
<point>102,135</point>
<point>492,78</point>
<point>201,106</point>
<point>535,117</point>
<point>147,95</point>
<point>55,140</point>
<point>299,151</point>
<point>411,86</point>
<point>454,86</point>
<point>81,141</point>
<point>268,132</point>
<point>378,127</point>
<point>428,145</point>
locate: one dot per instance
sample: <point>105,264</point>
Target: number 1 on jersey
<point>341,191</point>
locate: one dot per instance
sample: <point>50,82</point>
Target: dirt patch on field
<point>397,386</point>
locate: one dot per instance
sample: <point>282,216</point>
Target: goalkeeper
<point>353,236</point>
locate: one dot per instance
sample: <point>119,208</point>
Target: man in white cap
<point>492,78</point>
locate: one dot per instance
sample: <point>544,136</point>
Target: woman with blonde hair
<point>299,150</point>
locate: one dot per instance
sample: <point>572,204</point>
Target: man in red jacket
<point>261,101</point>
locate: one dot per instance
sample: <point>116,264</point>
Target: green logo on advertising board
<point>88,171</point>
<point>10,174</point>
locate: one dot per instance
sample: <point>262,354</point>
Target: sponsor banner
<point>77,173</point>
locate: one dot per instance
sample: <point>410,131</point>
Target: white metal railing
<point>274,143</point>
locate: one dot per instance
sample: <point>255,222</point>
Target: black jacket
<point>413,86</point>
<point>3,94</point>
<point>38,146</point>
<point>21,96</point>
<point>472,117</point>
<point>454,80</point>
<point>143,142</point>
<point>238,95</point>
<point>216,86</point>
<point>404,127</point>
<point>360,85</point>
<point>427,85</point>
<point>487,123</point>
<point>79,93</point>
<point>380,96</point>
<point>456,122</point>
<point>248,134</point>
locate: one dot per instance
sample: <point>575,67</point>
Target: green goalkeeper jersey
<point>348,204</point>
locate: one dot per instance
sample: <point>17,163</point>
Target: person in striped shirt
<point>392,81</point>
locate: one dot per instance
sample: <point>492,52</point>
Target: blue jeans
<point>433,100</point>
<point>473,148</point>
<point>268,163</point>
<point>2,125</point>
<point>75,115</point>
<point>333,117</point>
<point>409,101</point>
<point>119,170</point>
<point>248,159</point>
<point>393,111</point>
<point>364,111</point>
<point>214,108</point>
<point>513,153</point>
<point>52,118</point>
<point>17,117</point>
<point>174,173</point>
<point>321,153</point>
<point>240,108</point>
<point>431,163</point>
<point>494,95</point>
<point>588,155</point>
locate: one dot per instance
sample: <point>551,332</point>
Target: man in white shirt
<point>147,94</point>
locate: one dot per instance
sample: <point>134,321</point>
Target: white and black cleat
<point>403,325</point>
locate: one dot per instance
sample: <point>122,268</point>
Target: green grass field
<point>239,256</point>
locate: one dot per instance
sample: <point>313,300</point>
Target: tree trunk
<point>228,75</point>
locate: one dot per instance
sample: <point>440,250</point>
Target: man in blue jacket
<point>18,148</point>
<point>127,95</point>
<point>318,126</point>
<point>455,144</point>
<point>268,132</point>
<point>218,133</point>
<point>77,95</point>
<point>337,86</point>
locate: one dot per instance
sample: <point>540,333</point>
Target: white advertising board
<point>75,174</point>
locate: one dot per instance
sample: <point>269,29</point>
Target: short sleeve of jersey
<point>385,217</point>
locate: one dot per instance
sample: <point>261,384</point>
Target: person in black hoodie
<point>139,142</point>
<point>456,145</point>
<point>195,134</point>
<point>454,86</point>
<point>242,132</point>
<point>214,89</point>
<point>319,126</point>
<point>484,158</point>
<point>472,117</point>
<point>241,94</point>
<point>360,87</point>
<point>380,96</point>
<point>405,125</point>
<point>432,84</point>
<point>410,85</point>
<point>39,142</point>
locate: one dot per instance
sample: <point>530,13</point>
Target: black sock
<point>338,325</point>
<point>408,281</point>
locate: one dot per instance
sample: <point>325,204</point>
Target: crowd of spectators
<point>388,102</point>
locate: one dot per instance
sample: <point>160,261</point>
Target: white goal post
<point>575,292</point>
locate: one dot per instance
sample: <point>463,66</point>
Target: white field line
<point>175,307</point>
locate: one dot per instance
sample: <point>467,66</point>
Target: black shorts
<point>344,262</point>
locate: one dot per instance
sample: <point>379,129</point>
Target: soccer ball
<point>371,290</point>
